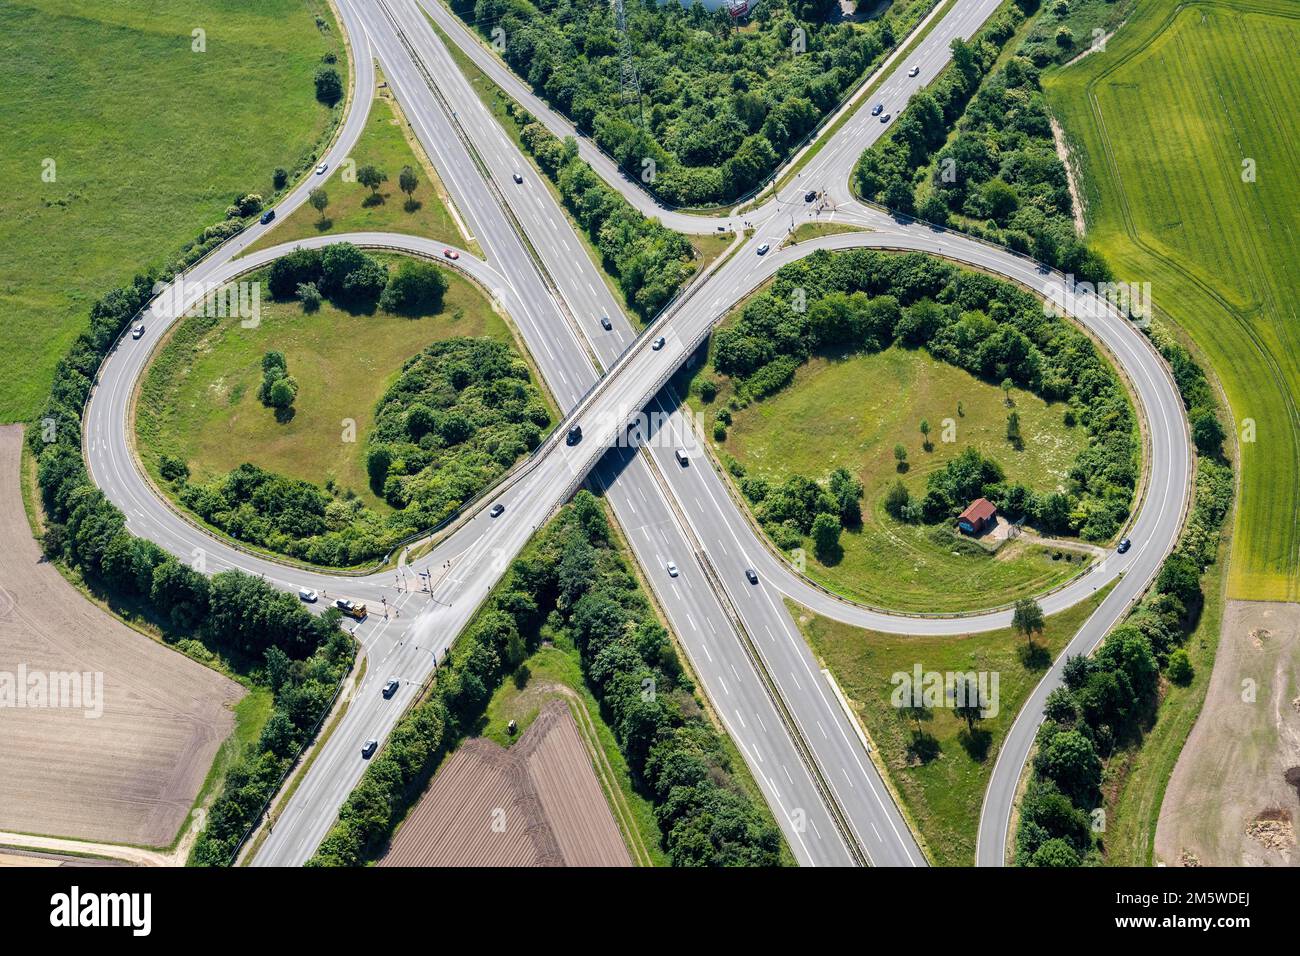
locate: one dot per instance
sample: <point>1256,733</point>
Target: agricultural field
<point>104,178</point>
<point>132,773</point>
<point>1234,796</point>
<point>537,804</point>
<point>199,400</point>
<point>1183,134</point>
<point>851,412</point>
<point>388,144</point>
<point>938,764</point>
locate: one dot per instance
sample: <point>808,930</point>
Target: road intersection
<point>801,746</point>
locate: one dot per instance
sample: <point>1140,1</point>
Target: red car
<point>451,253</point>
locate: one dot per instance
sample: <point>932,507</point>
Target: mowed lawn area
<point>385,144</point>
<point>149,143</point>
<point>850,413</point>
<point>1186,100</point>
<point>199,399</point>
<point>941,777</point>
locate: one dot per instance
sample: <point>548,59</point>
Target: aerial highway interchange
<point>806,753</point>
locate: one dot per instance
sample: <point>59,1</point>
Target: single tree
<point>370,177</point>
<point>925,434</point>
<point>319,199</point>
<point>1007,385</point>
<point>407,181</point>
<point>900,454</point>
<point>1028,618</point>
<point>967,702</point>
<point>1013,429</point>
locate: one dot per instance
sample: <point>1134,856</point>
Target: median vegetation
<point>719,107</point>
<point>1095,724</point>
<point>976,151</point>
<point>572,580</point>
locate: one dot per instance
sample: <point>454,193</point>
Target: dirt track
<point>1234,796</point>
<point>536,804</point>
<point>130,775</point>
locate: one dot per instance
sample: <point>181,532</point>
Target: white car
<point>672,569</point>
<point>320,170</point>
<point>682,459</point>
<point>914,71</point>
<point>307,594</point>
<point>762,250</point>
<point>138,331</point>
<point>657,344</point>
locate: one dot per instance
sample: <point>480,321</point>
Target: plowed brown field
<point>129,775</point>
<point>536,804</point>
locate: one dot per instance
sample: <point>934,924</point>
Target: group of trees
<point>649,261</point>
<point>340,272</point>
<point>801,508</point>
<point>301,657</point>
<point>460,414</point>
<point>999,177</point>
<point>1110,700</point>
<point>278,388</point>
<point>719,108</point>
<point>573,584</point>
<point>862,299</point>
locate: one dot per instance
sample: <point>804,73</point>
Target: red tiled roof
<point>981,509</point>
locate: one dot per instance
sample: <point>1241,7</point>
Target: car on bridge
<point>574,436</point>
<point>657,344</point>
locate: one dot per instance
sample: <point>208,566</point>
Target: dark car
<point>575,435</point>
<point>390,688</point>
<point>368,748</point>
<point>496,510</point>
<point>605,323</point>
<point>518,178</point>
<point>267,216</point>
<point>657,344</point>
<point>885,118</point>
<point>877,109</point>
<point>1124,545</point>
<point>810,195</point>
<point>752,575</point>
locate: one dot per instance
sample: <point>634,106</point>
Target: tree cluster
<point>718,108</point>
<point>1110,700</point>
<point>999,177</point>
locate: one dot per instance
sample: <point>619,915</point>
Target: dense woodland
<point>263,634</point>
<point>1110,700</point>
<point>866,300</point>
<point>572,583</point>
<point>460,414</point>
<point>976,151</point>
<point>719,107</point>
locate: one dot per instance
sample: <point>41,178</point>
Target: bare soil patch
<point>129,775</point>
<point>536,804</point>
<point>1235,791</point>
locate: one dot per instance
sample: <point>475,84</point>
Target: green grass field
<point>199,399</point>
<point>149,141</point>
<point>942,795</point>
<point>850,413</point>
<point>1161,124</point>
<point>386,144</point>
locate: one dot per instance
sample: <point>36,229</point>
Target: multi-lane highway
<point>804,751</point>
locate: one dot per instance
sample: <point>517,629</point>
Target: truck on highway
<point>351,609</point>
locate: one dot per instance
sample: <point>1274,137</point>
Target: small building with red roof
<point>977,518</point>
